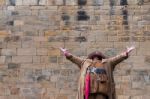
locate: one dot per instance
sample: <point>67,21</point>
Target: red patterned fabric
<point>87,86</point>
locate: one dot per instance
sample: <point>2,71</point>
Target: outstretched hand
<point>62,49</point>
<point>129,49</point>
<point>65,51</point>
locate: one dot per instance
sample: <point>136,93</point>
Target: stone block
<point>50,33</point>
<point>59,2</point>
<point>19,2</point>
<point>14,91</point>
<point>42,51</point>
<point>145,97</point>
<point>40,39</point>
<point>126,79</point>
<point>98,2</point>
<point>22,59</point>
<point>81,39</point>
<point>3,45</point>
<point>29,44</point>
<point>42,2</point>
<point>36,59</point>
<point>3,91</point>
<point>54,78</point>
<point>2,2</point>
<point>26,91</point>
<point>53,59</point>
<point>12,38</point>
<point>137,85</point>
<point>123,97</point>
<point>62,97</point>
<point>11,8</point>
<point>137,97</point>
<point>2,59</point>
<point>29,51</point>
<point>30,2</point>
<point>54,52</point>
<point>8,59</point>
<point>71,2</point>
<point>18,23</point>
<point>52,90</point>
<point>4,33</point>
<point>8,52</point>
<point>44,59</point>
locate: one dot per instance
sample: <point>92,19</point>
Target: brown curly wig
<point>97,54</point>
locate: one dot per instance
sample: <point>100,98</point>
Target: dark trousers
<point>97,96</point>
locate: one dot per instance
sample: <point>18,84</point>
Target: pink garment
<point>87,86</point>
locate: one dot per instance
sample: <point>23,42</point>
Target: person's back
<point>96,74</point>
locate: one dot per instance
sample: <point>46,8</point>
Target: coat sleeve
<point>76,60</point>
<point>117,59</point>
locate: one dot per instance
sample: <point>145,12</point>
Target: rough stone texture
<point>31,31</point>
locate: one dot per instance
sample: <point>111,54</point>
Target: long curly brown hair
<point>97,54</point>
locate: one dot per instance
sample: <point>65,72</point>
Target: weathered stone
<point>81,39</point>
<point>58,38</point>
<point>19,2</point>
<point>123,2</point>
<point>2,59</point>
<point>13,65</point>
<point>111,52</point>
<point>137,85</point>
<point>14,13</point>
<point>50,33</point>
<point>8,52</point>
<point>82,16</point>
<point>98,2</point>
<point>147,59</point>
<point>42,78</point>
<point>31,32</point>
<point>65,17</point>
<point>70,2</point>
<point>61,97</point>
<point>18,23</point>
<point>30,2</point>
<point>10,23</point>
<point>36,59</point>
<point>54,52</point>
<point>29,51</point>
<point>42,51</point>
<point>14,91</point>
<point>59,2</point>
<point>82,2</point>
<point>12,2</point>
<point>4,33</point>
<point>26,91</point>
<point>53,59</point>
<point>12,39</point>
<point>22,59</point>
<point>2,2</point>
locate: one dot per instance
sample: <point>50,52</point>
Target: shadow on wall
<point>82,15</point>
<point>123,2</point>
<point>12,2</point>
<point>125,17</point>
<point>82,2</point>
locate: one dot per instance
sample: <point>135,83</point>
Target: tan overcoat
<point>109,65</point>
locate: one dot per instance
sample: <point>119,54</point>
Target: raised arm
<point>119,58</point>
<point>74,59</point>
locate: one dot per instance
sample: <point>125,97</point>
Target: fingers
<point>129,49</point>
<point>62,49</point>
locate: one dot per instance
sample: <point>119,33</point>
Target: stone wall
<point>31,31</point>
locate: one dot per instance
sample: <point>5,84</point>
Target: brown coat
<point>109,65</point>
